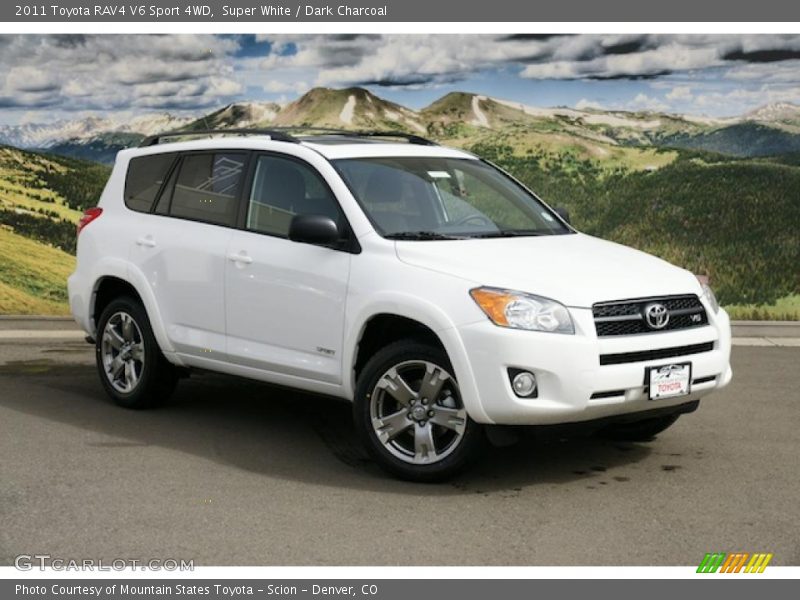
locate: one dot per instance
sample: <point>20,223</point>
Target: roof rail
<point>411,138</point>
<point>275,134</point>
<point>282,134</point>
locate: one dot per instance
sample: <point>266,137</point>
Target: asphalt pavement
<point>233,472</point>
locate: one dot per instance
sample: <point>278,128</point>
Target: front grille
<point>626,317</point>
<point>645,355</point>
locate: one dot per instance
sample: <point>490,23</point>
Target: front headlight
<point>519,310</point>
<point>708,293</point>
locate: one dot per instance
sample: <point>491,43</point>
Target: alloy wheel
<point>122,352</point>
<point>417,413</point>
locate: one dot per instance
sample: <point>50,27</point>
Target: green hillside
<point>33,276</point>
<point>41,199</point>
<point>354,108</point>
<point>734,220</point>
<point>102,148</point>
<point>742,139</point>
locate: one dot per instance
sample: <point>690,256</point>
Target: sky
<point>44,78</point>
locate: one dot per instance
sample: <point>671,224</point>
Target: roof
<point>363,150</point>
<point>330,146</point>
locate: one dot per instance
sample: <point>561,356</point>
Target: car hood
<point>575,269</point>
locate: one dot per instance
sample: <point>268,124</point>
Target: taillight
<point>89,215</point>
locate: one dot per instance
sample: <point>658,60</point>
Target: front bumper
<point>572,384</point>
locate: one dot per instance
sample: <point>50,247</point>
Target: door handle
<point>147,241</point>
<point>241,258</point>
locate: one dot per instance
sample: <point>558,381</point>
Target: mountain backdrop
<point>770,130</point>
<point>718,196</point>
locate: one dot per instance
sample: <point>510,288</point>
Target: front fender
<point>428,314</point>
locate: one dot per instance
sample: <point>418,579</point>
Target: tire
<point>639,431</point>
<point>420,439</point>
<point>130,364</point>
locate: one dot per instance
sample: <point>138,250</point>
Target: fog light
<point>524,384</point>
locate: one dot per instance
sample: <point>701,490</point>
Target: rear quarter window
<point>207,187</point>
<point>144,179</point>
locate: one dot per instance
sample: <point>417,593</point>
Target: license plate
<point>669,381</point>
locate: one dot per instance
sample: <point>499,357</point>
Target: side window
<point>207,187</point>
<point>283,188</point>
<point>162,204</point>
<point>144,179</point>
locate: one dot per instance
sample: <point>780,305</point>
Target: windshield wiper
<point>509,233</point>
<point>422,235</point>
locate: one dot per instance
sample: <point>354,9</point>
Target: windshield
<point>429,198</point>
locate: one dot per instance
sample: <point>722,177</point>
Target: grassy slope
<point>41,199</point>
<point>322,107</point>
<point>562,149</point>
<point>23,187</point>
<point>730,219</point>
<point>784,309</point>
<point>32,276</point>
<point>616,192</point>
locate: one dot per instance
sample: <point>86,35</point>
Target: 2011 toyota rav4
<point>420,282</point>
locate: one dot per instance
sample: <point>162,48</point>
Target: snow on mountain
<point>99,137</point>
<point>46,135</point>
<point>775,112</point>
<point>346,116</point>
<point>593,117</point>
<point>480,118</point>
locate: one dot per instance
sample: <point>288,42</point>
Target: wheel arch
<point>388,321</point>
<point>106,289</point>
<point>382,329</point>
<point>113,285</point>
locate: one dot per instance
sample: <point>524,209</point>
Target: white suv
<point>420,282</point>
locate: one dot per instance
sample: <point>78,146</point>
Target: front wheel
<point>409,414</point>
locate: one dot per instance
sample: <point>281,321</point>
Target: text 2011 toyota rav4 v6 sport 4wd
<point>428,287</point>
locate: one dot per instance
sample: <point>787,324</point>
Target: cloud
<point>653,62</point>
<point>112,72</point>
<point>407,60</point>
<point>31,79</point>
<point>783,72</point>
<point>645,102</point>
<point>78,73</point>
<point>398,60</point>
<point>275,86</point>
<point>741,100</point>
<point>680,92</point>
<point>586,104</point>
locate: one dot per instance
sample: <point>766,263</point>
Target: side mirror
<point>563,213</point>
<point>314,229</point>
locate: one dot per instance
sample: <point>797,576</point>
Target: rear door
<point>180,248</point>
<point>286,300</point>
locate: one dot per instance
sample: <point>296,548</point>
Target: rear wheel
<point>639,431</point>
<point>132,368</point>
<point>409,414</point>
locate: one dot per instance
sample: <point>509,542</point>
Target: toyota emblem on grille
<point>656,315</point>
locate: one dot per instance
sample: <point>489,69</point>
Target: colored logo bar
<point>736,562</point>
